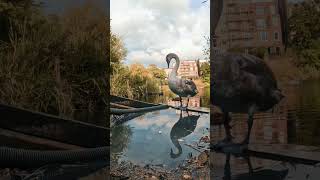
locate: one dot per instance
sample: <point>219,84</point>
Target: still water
<point>296,120</point>
<point>149,139</point>
<point>159,138</point>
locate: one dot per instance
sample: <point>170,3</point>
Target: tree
<point>157,72</point>
<point>205,72</point>
<point>304,26</point>
<point>117,51</point>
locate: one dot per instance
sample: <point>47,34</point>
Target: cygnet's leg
<point>244,144</point>
<point>250,123</point>
<point>228,139</point>
<point>181,105</point>
<point>187,103</point>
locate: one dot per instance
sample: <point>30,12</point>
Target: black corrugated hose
<point>24,158</point>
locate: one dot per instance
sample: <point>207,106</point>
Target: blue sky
<point>152,29</point>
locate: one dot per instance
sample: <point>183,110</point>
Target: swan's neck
<point>179,148</point>
<point>176,67</point>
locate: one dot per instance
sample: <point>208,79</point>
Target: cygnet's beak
<point>168,62</point>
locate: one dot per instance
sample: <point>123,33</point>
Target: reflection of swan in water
<point>263,174</point>
<point>182,128</point>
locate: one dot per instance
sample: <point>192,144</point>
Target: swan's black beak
<point>168,62</point>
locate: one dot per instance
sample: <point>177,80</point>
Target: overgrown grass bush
<point>56,64</point>
<point>133,81</point>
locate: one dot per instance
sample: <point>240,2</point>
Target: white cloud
<point>151,29</point>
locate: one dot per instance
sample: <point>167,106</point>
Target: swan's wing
<point>256,66</point>
<point>189,82</point>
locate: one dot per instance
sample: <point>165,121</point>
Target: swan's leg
<point>249,164</point>
<point>187,102</point>
<point>228,139</point>
<point>227,167</point>
<point>250,123</point>
<point>227,127</point>
<point>181,105</point>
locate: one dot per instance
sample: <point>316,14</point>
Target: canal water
<point>296,120</point>
<point>159,138</point>
<point>150,138</point>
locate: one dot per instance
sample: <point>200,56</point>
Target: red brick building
<point>250,24</point>
<point>188,69</point>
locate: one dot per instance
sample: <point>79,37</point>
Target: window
<point>272,10</point>
<point>247,35</point>
<point>260,10</point>
<point>263,36</point>
<point>261,23</point>
<point>276,36</point>
<point>275,21</point>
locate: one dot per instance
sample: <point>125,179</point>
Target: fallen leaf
<point>202,158</point>
<point>186,177</point>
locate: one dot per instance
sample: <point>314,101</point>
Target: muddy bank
<point>192,168</point>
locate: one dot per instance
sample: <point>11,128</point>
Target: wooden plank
<point>303,154</point>
<point>52,127</point>
<point>134,103</point>
<point>199,110</point>
<point>121,106</point>
<point>23,139</point>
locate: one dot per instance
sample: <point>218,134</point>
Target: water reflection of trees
<point>120,138</point>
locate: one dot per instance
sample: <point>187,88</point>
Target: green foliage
<point>259,52</point>
<point>135,81</point>
<point>158,73</point>
<point>304,26</point>
<point>55,64</point>
<point>117,52</point>
<point>205,72</point>
<point>206,50</point>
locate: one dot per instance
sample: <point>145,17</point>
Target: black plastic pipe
<point>23,158</point>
